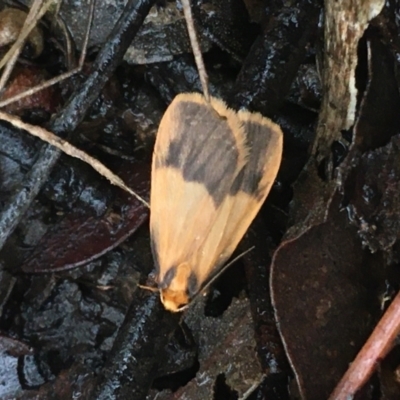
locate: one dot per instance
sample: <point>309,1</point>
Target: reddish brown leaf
<point>78,239</point>
<point>320,304</point>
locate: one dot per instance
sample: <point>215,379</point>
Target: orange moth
<point>212,170</point>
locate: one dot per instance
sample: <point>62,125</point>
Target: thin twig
<point>35,14</point>
<point>71,150</point>
<point>10,63</point>
<point>374,350</point>
<point>198,56</point>
<point>73,113</point>
<point>61,77</point>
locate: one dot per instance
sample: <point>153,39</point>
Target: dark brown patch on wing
<point>193,285</point>
<point>260,139</point>
<point>205,151</point>
<point>168,278</point>
<point>153,244</point>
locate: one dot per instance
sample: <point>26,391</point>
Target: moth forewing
<point>208,183</point>
<point>247,194</point>
<point>199,151</point>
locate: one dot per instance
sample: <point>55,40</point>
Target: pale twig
<point>374,350</point>
<point>61,77</point>
<point>71,150</point>
<point>35,14</point>
<point>11,57</point>
<point>73,112</point>
<point>198,57</point>
<point>50,137</point>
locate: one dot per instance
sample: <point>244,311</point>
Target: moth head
<point>174,301</point>
<point>174,294</point>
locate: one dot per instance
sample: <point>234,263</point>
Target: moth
<point>212,169</point>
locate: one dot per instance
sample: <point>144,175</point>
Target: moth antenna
<point>217,275</point>
<point>194,42</point>
<point>183,308</point>
<point>151,289</point>
<point>157,290</point>
<point>208,284</point>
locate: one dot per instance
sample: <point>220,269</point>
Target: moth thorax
<point>175,295</point>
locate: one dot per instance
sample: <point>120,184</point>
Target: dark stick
<point>273,61</point>
<point>135,356</point>
<point>74,111</point>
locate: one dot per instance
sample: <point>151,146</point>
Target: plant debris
<point>288,318</point>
